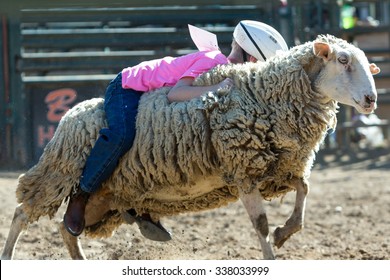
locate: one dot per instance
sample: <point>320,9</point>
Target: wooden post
<point>19,113</point>
<point>4,89</point>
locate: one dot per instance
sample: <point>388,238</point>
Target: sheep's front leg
<point>253,203</point>
<point>295,222</point>
<point>72,243</point>
<point>18,225</point>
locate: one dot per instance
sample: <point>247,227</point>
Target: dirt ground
<point>347,217</point>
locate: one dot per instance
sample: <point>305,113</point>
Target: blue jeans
<point>121,106</point>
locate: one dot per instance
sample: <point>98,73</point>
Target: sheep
<point>255,141</point>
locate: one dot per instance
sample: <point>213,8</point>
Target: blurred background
<point>54,54</point>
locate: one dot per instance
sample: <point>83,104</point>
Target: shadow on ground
<point>376,158</point>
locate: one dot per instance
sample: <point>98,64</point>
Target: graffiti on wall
<point>49,104</point>
<point>57,102</point>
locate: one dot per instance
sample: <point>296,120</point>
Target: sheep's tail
<point>43,188</point>
<point>40,198</point>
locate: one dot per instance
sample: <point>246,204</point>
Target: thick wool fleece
<point>193,156</point>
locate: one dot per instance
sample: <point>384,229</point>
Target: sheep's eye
<point>343,59</point>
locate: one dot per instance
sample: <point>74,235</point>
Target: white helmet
<point>258,39</point>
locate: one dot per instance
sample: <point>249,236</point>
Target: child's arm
<point>184,90</point>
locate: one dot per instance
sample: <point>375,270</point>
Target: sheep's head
<point>346,75</point>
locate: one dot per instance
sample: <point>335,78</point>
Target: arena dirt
<point>347,217</point>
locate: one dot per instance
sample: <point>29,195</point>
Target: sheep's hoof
<point>153,231</point>
<point>282,234</point>
<point>149,229</point>
<point>279,238</point>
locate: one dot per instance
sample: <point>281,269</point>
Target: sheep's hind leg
<point>295,222</point>
<point>72,243</point>
<point>253,203</point>
<point>18,225</point>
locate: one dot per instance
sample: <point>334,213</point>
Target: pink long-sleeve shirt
<point>167,71</point>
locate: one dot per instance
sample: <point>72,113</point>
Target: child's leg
<point>121,110</point>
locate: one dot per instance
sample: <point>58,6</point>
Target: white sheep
<point>252,142</point>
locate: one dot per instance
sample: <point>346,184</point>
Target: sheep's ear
<point>322,50</point>
<point>374,69</point>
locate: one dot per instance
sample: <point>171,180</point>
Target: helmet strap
<point>253,41</point>
<point>245,56</point>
